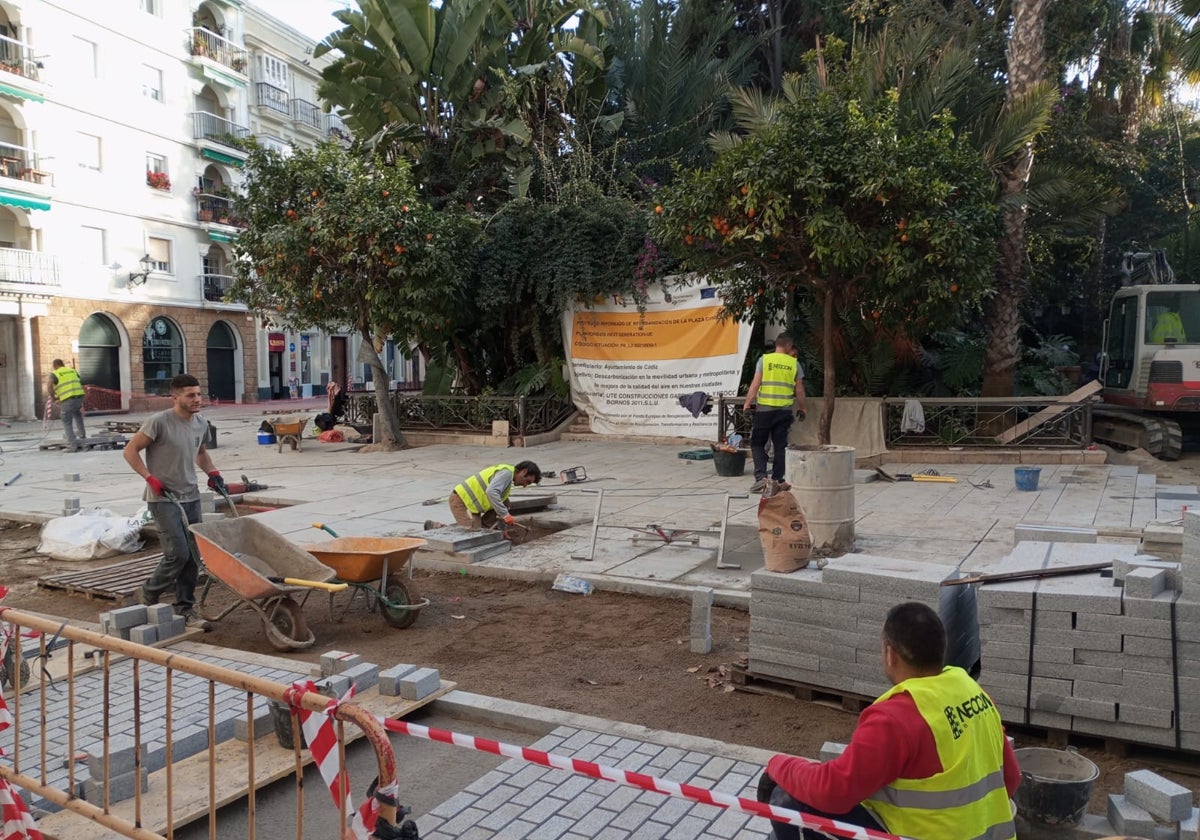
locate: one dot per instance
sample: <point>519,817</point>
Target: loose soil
<point>614,656</point>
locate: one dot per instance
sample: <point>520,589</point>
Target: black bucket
<point>281,717</point>
<point>730,463</point>
<point>1055,785</point>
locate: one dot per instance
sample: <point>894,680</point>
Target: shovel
<point>887,476</point>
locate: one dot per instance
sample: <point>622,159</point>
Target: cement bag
<point>90,535</point>
<point>783,530</point>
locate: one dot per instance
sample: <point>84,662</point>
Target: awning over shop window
<point>218,236</point>
<point>9,90</point>
<point>221,157</point>
<point>25,202</point>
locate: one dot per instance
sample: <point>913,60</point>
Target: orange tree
<point>889,220</point>
<point>336,241</point>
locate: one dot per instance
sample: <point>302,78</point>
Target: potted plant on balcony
<point>205,214</point>
<point>158,180</point>
<point>238,63</point>
<point>199,45</point>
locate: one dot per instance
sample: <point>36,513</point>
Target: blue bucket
<point>1027,477</point>
<point>266,439</point>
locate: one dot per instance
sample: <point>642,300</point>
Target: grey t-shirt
<point>171,458</point>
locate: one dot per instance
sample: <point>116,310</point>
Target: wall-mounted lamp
<point>137,278</point>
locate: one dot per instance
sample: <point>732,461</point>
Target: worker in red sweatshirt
<point>929,758</point>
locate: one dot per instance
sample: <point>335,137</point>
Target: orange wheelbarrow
<point>374,567</point>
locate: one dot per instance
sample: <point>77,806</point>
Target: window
<point>282,147</point>
<point>152,7</point>
<point>159,250</point>
<point>156,172</point>
<point>152,83</point>
<point>91,245</point>
<point>87,58</point>
<point>273,71</point>
<point>89,151</point>
<point>162,355</point>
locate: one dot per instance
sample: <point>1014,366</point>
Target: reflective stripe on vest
<point>967,800</point>
<point>778,387</point>
<point>473,491</point>
<point>67,384</point>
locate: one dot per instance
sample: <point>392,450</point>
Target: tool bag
<point>783,530</point>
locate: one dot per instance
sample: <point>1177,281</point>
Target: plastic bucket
<point>822,479</point>
<point>1055,785</point>
<point>1027,477</point>
<point>266,439</point>
<point>281,718</point>
<point>730,463</point>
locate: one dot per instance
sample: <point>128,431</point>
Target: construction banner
<point>628,369</point>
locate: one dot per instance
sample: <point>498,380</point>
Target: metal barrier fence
<point>140,689</point>
<point>525,415</point>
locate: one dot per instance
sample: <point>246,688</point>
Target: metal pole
<point>595,525</point>
<point>721,564</point>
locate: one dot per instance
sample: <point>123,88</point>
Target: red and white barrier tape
<point>16,823</point>
<point>640,780</point>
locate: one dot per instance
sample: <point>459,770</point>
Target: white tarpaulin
<point>628,370</point>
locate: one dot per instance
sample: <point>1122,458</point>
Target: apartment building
<point>120,125</point>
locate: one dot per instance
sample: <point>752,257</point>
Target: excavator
<point>1150,362</point>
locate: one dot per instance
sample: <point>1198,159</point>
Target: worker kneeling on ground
<point>480,500</point>
<point>928,759</point>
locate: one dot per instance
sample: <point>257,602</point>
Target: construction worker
<point>67,389</point>
<point>479,500</point>
<point>929,758</point>
<point>778,387</point>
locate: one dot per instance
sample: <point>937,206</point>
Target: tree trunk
<point>391,438</point>
<point>830,383</point>
<point>1026,66</point>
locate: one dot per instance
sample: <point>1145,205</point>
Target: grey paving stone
<point>121,755</point>
<point>120,787</point>
<point>735,783</point>
<point>688,827</point>
<point>534,793</point>
<point>594,821</point>
<point>632,816</point>
<point>364,675</point>
<point>389,679</point>
<point>1128,818</point>
<point>1145,583</point>
<point>620,798</point>
<point>500,817</point>
<point>127,617</point>
<point>667,757</point>
<point>551,829</point>
<point>542,810</point>
<point>453,806</point>
<point>580,805</point>
<point>463,821</point>
<point>260,725</point>
<point>1163,798</point>
<point>486,783</point>
<point>336,661</point>
<point>715,768</point>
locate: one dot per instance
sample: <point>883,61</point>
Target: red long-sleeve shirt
<point>892,741</point>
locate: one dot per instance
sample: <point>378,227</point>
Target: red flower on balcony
<point>158,180</point>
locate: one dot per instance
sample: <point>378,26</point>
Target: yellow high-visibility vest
<point>778,387</point>
<point>67,384</point>
<point>473,491</point>
<point>967,800</point>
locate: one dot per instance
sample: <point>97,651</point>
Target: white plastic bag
<point>90,535</point>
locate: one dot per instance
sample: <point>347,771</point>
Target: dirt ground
<point>614,656</point>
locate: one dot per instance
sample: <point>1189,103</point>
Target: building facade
<point>120,146</point>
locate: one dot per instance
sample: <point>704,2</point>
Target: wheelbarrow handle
<point>320,526</point>
<point>311,584</point>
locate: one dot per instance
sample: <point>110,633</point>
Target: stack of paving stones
<point>1093,653</point>
<point>144,625</point>
<point>519,799</point>
<point>456,545</point>
<point>189,725</point>
<point>823,627</point>
<point>338,670</point>
<point>1150,807</point>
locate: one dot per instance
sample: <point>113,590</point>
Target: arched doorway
<point>222,362</point>
<point>100,352</point>
<point>162,355</point>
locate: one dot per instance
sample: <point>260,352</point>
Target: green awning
<point>25,202</point>
<point>9,90</point>
<point>220,77</point>
<point>221,157</point>
<point>218,236</point>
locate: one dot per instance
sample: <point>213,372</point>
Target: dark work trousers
<point>178,568</point>
<point>859,816</point>
<point>770,424</point>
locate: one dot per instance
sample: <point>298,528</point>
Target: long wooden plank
<point>190,801</point>
<point>1076,396</point>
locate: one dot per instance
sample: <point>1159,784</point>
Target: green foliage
<point>953,364</point>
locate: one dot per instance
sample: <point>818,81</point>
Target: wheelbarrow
<point>373,566</point>
<point>263,571</point>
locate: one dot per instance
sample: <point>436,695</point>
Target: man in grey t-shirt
<point>173,441</point>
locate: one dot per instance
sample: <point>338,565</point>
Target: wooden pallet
<point>115,582</point>
<point>745,680</point>
<point>124,426</point>
<point>1180,761</point>
<point>100,441</point>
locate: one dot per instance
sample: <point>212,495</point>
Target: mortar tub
<point>1055,785</point>
<point>822,479</point>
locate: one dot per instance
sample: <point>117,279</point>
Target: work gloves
<point>157,486</point>
<point>215,482</point>
<point>801,415</point>
<point>509,519</point>
<point>766,786</point>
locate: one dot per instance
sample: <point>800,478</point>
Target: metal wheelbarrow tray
<point>373,566</point>
<point>263,570</point>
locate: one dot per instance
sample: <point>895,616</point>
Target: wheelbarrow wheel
<point>402,592</point>
<point>286,628</point>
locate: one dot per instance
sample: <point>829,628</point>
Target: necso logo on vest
<point>960,714</point>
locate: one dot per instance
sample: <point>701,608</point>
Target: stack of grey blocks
<point>823,627</point>
<point>454,546</point>
<point>339,669</point>
<point>143,625</point>
<point>1102,660</point>
<point>1150,807</point>
<point>126,773</point>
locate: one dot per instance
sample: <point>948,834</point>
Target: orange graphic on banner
<point>628,336</point>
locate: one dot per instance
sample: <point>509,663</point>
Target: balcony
<point>308,115</point>
<point>216,286</point>
<point>217,55</point>
<point>336,129</point>
<point>219,139</point>
<point>22,182</point>
<point>26,271</point>
<point>273,98</point>
<point>216,209</point>
<point>20,71</point>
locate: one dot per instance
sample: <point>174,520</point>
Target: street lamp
<point>137,278</point>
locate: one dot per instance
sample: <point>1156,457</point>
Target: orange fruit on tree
<point>904,237</point>
<point>750,212</point>
<point>658,208</point>
<point>953,288</point>
<point>689,239</point>
<point>386,193</point>
<point>745,190</point>
<point>429,237</point>
<point>315,193</point>
<point>404,208</point>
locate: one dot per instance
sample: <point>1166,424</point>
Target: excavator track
<point>1162,437</point>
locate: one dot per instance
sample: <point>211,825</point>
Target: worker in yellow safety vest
<point>929,758</point>
<point>778,388</point>
<point>67,389</point>
<point>480,500</point>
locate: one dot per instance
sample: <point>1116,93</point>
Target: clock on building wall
<point>160,327</point>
